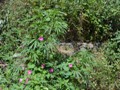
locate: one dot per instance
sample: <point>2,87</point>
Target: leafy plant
<point>113,48</point>
<point>31,30</point>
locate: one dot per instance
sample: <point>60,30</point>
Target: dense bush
<point>113,48</point>
<point>30,31</point>
<point>91,20</point>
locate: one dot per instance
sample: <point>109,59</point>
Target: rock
<point>90,46</point>
<point>70,49</point>
<point>84,45</point>
<point>66,48</point>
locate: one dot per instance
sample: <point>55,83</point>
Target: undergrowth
<point>30,31</point>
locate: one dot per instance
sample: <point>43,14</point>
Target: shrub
<point>31,30</point>
<point>113,48</point>
<point>92,20</point>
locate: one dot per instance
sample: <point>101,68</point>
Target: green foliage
<point>106,76</point>
<point>30,31</point>
<point>92,20</point>
<point>112,54</point>
<point>107,70</point>
<point>113,48</point>
<point>48,24</point>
